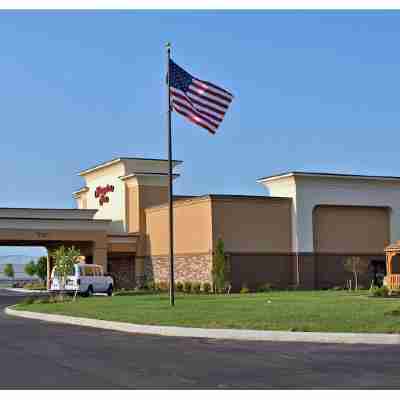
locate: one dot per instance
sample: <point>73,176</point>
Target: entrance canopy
<point>51,228</point>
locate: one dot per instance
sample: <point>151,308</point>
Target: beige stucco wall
<point>132,208</point>
<point>192,223</point>
<point>150,196</point>
<point>253,224</point>
<point>311,190</point>
<point>141,193</point>
<point>81,201</point>
<point>138,183</point>
<point>245,224</point>
<point>43,236</point>
<point>115,209</point>
<point>351,230</point>
<point>286,187</point>
<point>121,247</point>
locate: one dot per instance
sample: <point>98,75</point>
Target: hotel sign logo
<point>101,193</point>
<point>42,235</point>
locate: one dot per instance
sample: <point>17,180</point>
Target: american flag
<point>201,102</point>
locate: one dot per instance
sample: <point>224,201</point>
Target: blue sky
<point>314,91</point>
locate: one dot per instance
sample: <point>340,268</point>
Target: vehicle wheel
<point>89,291</point>
<point>110,290</point>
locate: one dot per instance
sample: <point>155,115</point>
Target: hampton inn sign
<point>300,233</point>
<point>101,193</point>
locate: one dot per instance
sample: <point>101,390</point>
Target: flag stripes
<point>201,102</point>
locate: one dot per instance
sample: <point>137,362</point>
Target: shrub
<point>266,287</point>
<point>27,301</point>
<point>379,291</point>
<point>206,287</point>
<point>58,298</point>
<point>244,289</point>
<point>151,285</point>
<point>163,286</point>
<point>135,292</point>
<point>46,300</point>
<point>179,286</point>
<point>142,285</point>
<point>221,269</point>
<point>393,313</point>
<point>187,287</point>
<point>52,299</point>
<point>41,301</point>
<point>147,284</point>
<point>196,287</point>
<point>156,287</point>
<point>35,286</point>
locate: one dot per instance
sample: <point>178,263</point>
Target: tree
<point>220,269</point>
<point>30,268</point>
<point>41,268</point>
<point>64,260</point>
<point>355,265</point>
<point>9,271</point>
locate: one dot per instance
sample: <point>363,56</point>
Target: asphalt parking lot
<point>41,355</point>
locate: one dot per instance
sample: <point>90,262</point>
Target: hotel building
<point>300,233</point>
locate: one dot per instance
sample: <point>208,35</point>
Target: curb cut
<point>226,334</point>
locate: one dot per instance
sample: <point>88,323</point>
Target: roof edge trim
<point>120,159</point>
<point>327,175</point>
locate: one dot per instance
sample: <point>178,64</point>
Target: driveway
<point>36,354</point>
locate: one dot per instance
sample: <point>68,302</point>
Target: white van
<point>86,279</point>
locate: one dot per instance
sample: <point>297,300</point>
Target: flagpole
<point>170,187</point>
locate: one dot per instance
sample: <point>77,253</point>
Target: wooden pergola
<point>392,278</point>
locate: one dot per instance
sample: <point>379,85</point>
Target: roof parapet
<point>121,159</point>
<point>327,175</point>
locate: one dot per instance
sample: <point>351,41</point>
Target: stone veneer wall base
<point>315,271</point>
<point>187,267</point>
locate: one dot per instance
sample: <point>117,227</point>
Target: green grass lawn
<point>326,311</point>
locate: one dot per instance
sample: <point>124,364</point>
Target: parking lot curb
<point>225,334</point>
<point>27,291</point>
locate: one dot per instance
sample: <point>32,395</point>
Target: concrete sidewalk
<point>226,334</point>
